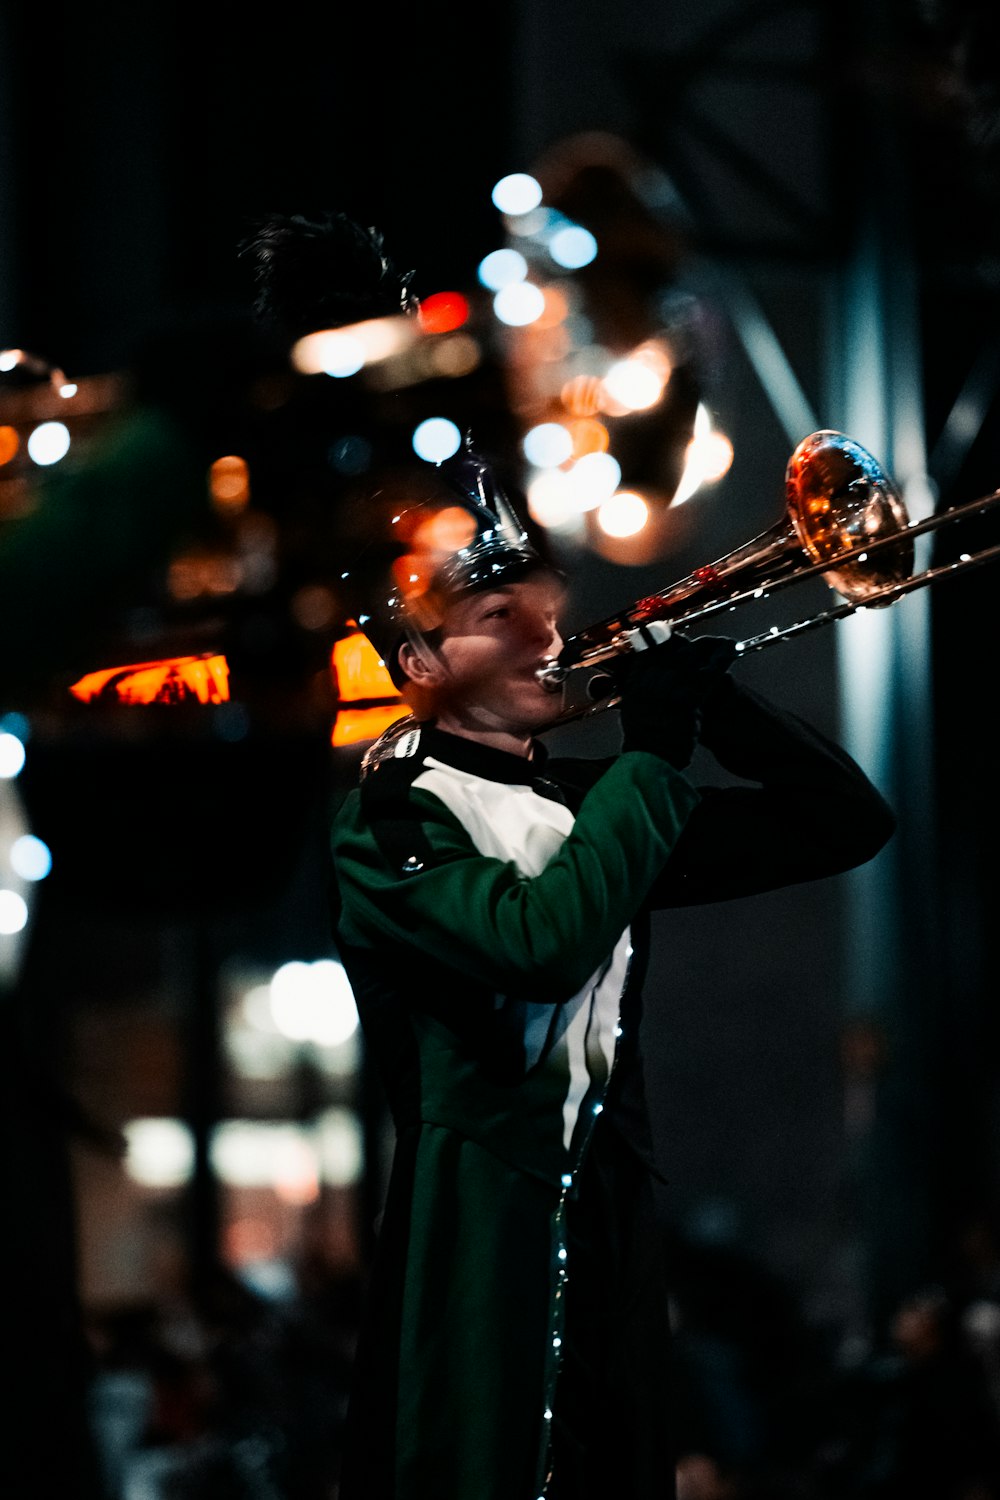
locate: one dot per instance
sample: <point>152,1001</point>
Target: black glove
<point>663,691</point>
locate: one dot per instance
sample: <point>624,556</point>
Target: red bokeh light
<point>442,312</point>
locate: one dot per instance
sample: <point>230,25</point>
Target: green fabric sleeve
<point>540,936</point>
<point>812,813</point>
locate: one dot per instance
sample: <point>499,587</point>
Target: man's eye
<point>498,613</point>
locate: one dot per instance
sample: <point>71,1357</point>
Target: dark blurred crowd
<point>227,1391</point>
<point>237,1390</point>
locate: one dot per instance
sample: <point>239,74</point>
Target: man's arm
<point>811,812</point>
<point>408,872</point>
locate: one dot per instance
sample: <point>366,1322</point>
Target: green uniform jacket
<point>492,915</point>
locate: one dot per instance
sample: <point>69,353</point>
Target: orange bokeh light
<point>581,396</point>
<point>446,531</point>
<point>556,309</point>
<point>589,436</point>
<point>9,444</point>
<point>229,483</point>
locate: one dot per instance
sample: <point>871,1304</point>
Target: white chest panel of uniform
<point>512,822</point>
<point>504,821</point>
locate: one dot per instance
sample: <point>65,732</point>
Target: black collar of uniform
<point>483,760</point>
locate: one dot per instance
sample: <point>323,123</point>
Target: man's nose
<point>541,630</point>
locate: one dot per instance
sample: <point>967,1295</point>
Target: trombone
<point>844,520</point>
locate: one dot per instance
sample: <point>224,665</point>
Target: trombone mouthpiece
<point>551,675</point>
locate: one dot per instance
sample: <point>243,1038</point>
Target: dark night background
<point>824,1061</point>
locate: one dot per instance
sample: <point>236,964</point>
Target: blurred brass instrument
<point>844,520</point>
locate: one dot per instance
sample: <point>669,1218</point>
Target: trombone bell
<point>840,501</point>
<point>844,521</point>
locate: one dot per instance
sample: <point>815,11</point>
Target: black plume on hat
<point>323,272</point>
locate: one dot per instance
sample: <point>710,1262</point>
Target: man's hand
<point>663,690</point>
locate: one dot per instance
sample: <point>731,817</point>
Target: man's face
<point>492,644</point>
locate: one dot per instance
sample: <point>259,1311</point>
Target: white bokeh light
<point>313,1002</point>
<point>436,439</point>
<point>594,479</point>
<point>517,193</point>
<point>343,356</point>
<point>519,304</point>
<point>501,268</point>
<point>12,754</point>
<point>573,247</point>
<point>262,1153</point>
<point>625,514</point>
<point>633,384</point>
<point>159,1152</point>
<point>340,1146</point>
<point>48,443</point>
<point>13,913</point>
<point>548,445</point>
<point>30,857</point>
<point>709,455</point>
<point>551,501</point>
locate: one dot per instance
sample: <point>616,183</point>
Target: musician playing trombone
<point>492,910</point>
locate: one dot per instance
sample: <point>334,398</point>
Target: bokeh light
<point>708,457</point>
<point>48,443</point>
<point>589,436</point>
<point>343,351</point>
<point>343,356</point>
<point>625,514</point>
<point>517,193</point>
<point>12,755</point>
<point>594,479</point>
<point>30,857</point>
<point>436,439</point>
<point>573,247</point>
<point>501,268</point>
<point>632,384</point>
<point>552,502</point>
<point>519,304</point>
<point>229,483</point>
<point>548,445</point>
<point>341,1146</point>
<point>442,312</point>
<point>313,1002</point>
<point>13,912</point>
<point>159,1152</point>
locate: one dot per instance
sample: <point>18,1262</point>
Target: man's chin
<point>538,714</point>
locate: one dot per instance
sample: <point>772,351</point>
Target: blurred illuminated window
<point>286,1153</point>
<point>367,700</point>
<point>201,679</point>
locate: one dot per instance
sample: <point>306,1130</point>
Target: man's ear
<point>420,664</point>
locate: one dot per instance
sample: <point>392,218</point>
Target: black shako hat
<point>464,537</point>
